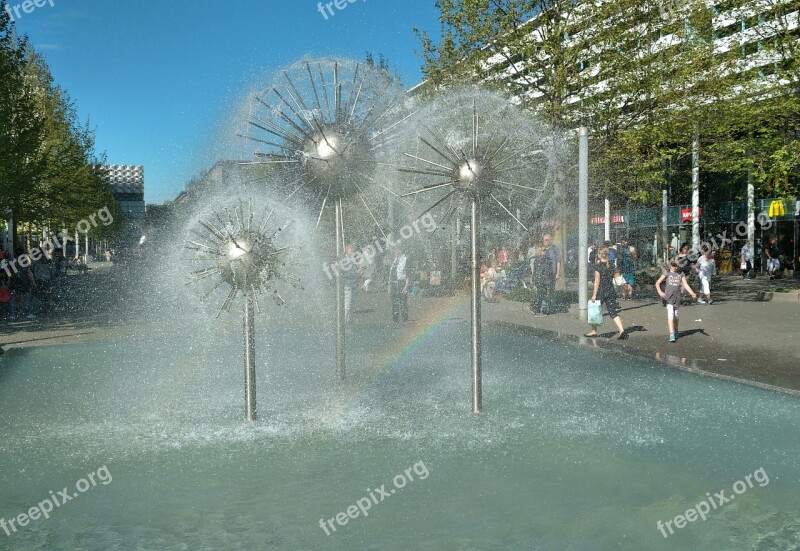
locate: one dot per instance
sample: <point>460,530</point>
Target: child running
<point>676,282</point>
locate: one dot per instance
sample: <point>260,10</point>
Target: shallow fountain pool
<point>577,449</point>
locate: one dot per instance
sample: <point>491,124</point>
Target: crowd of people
<point>538,265</point>
<point>34,281</point>
<point>615,267</point>
<point>612,276</point>
<point>358,274</point>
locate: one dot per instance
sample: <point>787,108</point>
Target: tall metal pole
<point>751,209</point>
<point>12,232</point>
<point>607,214</point>
<point>583,221</point>
<point>249,358</point>
<point>477,391</point>
<point>391,212</point>
<point>664,226</point>
<point>340,337</point>
<point>696,192</point>
<point>453,251</point>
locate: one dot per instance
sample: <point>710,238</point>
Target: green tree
<point>531,49</point>
<point>21,126</point>
<point>72,184</point>
<point>49,173</point>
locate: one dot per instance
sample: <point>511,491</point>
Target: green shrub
<point>521,294</point>
<point>646,278</point>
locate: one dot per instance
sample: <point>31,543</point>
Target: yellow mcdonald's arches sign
<point>776,209</point>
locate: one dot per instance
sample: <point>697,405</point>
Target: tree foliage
<point>646,76</point>
<point>49,173</point>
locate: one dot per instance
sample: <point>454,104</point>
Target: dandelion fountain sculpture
<point>330,117</point>
<point>246,258</point>
<point>479,146</point>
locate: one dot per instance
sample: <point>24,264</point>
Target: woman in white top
<point>704,269</point>
<point>747,260</point>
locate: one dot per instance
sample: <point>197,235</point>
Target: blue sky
<point>159,78</point>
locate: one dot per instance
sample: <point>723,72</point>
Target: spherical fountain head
<point>245,260</point>
<point>335,158</point>
<point>239,250</point>
<point>235,250</point>
<point>474,177</point>
<point>328,146</point>
<point>329,116</point>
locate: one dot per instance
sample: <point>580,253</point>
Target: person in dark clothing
<point>682,258</point>
<point>553,254</point>
<point>604,291</point>
<point>544,282</point>
<point>773,257</point>
<point>627,267</point>
<point>23,285</point>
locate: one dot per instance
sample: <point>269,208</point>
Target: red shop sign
<point>686,214</point>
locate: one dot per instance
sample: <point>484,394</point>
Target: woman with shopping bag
<point>604,292</point>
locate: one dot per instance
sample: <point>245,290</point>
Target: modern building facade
<point>126,182</point>
<point>745,27</point>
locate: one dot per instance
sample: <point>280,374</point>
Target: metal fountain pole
<point>249,357</point>
<point>583,221</point>
<point>696,191</point>
<point>477,391</point>
<point>340,337</point>
<point>453,251</point>
<point>664,226</point>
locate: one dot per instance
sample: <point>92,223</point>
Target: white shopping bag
<point>595,314</point>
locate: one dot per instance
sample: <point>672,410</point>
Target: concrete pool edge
<point>667,361</point>
<point>517,318</point>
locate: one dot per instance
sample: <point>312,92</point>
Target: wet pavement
<point>737,337</point>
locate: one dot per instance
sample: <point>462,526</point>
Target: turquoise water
<point>577,449</point>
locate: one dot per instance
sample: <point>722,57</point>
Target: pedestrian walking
<point>23,287</point>
<point>747,260</point>
<point>773,257</point>
<point>627,267</point>
<point>705,269</point>
<point>399,285</point>
<point>605,292</point>
<point>671,295</point>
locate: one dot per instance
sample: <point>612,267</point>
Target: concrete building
<point>126,182</point>
<point>743,25</point>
